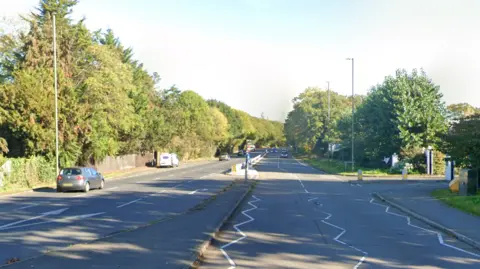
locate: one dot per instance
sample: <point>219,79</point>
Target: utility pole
<point>56,90</point>
<point>353,112</point>
<point>328,93</point>
<point>328,90</point>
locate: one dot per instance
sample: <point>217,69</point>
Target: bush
<point>30,172</point>
<point>398,167</point>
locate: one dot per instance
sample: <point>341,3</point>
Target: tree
<point>405,111</point>
<point>462,142</point>
<point>308,126</point>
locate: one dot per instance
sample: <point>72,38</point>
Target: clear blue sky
<point>256,55</point>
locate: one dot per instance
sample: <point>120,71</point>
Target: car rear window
<point>166,157</point>
<point>71,171</point>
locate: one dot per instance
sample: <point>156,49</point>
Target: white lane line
<point>50,213</point>
<point>337,239</point>
<point>79,217</point>
<point>131,202</point>
<point>232,263</point>
<point>311,199</point>
<point>27,206</point>
<point>176,186</point>
<point>439,235</point>
<point>195,191</point>
<point>112,188</point>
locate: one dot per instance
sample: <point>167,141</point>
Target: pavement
<point>419,200</point>
<point>40,221</point>
<point>298,217</point>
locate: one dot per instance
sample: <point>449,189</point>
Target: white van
<point>168,160</point>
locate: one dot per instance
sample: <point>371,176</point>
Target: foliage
<point>308,127</point>
<point>463,141</point>
<point>30,172</point>
<point>108,103</point>
<point>402,115</point>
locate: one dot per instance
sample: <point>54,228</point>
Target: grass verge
<point>469,204</point>
<point>338,167</point>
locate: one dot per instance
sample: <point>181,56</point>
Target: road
<point>298,217</point>
<point>32,223</point>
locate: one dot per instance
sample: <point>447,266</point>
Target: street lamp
<point>353,111</point>
<point>56,90</point>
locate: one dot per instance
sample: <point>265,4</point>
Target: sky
<point>257,55</point>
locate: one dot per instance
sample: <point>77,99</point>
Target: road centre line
<point>439,235</point>
<point>232,263</point>
<point>337,239</point>
<point>131,202</point>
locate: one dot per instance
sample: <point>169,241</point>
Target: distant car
<point>168,160</point>
<point>224,157</point>
<point>79,179</point>
<point>284,154</point>
<point>274,150</point>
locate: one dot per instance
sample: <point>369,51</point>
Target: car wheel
<point>102,184</point>
<point>86,188</point>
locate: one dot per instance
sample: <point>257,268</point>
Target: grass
<point>338,167</point>
<point>469,204</point>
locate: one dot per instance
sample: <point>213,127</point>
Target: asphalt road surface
<point>32,223</point>
<point>298,217</point>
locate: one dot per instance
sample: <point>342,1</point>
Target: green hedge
<point>30,172</point>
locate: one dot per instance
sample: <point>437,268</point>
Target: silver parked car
<point>79,179</point>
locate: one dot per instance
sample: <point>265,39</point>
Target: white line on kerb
<point>337,239</point>
<point>232,264</point>
<point>131,202</point>
<point>439,235</point>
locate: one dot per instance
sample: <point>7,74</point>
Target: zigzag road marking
<point>439,235</point>
<point>232,263</point>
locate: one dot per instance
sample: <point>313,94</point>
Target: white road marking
<point>49,221</point>
<point>337,239</point>
<point>439,235</point>
<point>195,191</point>
<point>311,199</point>
<point>50,213</point>
<point>131,202</point>
<point>80,195</point>
<point>232,263</point>
<point>189,181</point>
<point>28,206</point>
<point>176,186</point>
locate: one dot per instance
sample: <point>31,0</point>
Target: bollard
<point>360,175</point>
<point>404,173</point>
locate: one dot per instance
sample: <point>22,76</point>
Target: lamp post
<point>56,90</point>
<point>353,111</point>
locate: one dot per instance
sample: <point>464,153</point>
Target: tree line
<point>109,104</point>
<point>403,115</point>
